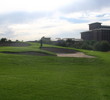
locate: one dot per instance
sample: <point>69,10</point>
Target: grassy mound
<point>26,77</point>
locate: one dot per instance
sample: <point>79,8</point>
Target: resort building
<point>96,32</point>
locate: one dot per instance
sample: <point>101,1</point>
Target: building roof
<point>96,23</point>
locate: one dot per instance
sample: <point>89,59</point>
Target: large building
<point>96,32</point>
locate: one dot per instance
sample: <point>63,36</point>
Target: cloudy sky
<point>32,19</point>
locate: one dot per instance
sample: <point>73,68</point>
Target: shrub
<point>86,46</point>
<point>61,43</point>
<point>102,46</point>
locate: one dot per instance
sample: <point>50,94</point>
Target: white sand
<point>78,54</point>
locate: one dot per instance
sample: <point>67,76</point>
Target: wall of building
<point>97,32</point>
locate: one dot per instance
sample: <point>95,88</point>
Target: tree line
<point>5,40</point>
<point>88,45</point>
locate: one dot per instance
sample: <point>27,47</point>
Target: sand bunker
<point>62,52</point>
<point>59,50</point>
<point>78,54</point>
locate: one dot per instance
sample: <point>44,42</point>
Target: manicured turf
<point>26,77</point>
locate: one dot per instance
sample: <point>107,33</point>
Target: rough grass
<point>26,77</point>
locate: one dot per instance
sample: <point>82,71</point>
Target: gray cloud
<point>79,6</point>
<point>86,5</point>
<point>21,17</point>
<point>8,19</point>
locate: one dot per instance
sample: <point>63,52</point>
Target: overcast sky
<point>32,19</point>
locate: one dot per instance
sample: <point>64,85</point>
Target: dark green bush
<point>86,46</point>
<point>102,46</point>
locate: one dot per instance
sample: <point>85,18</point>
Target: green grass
<point>33,47</point>
<point>26,77</point>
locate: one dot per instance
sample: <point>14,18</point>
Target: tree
<point>17,40</point>
<point>61,43</point>
<point>70,42</point>
<point>86,46</point>
<point>102,46</point>
<point>9,41</point>
<point>3,40</point>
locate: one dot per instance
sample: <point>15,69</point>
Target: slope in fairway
<point>27,77</point>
